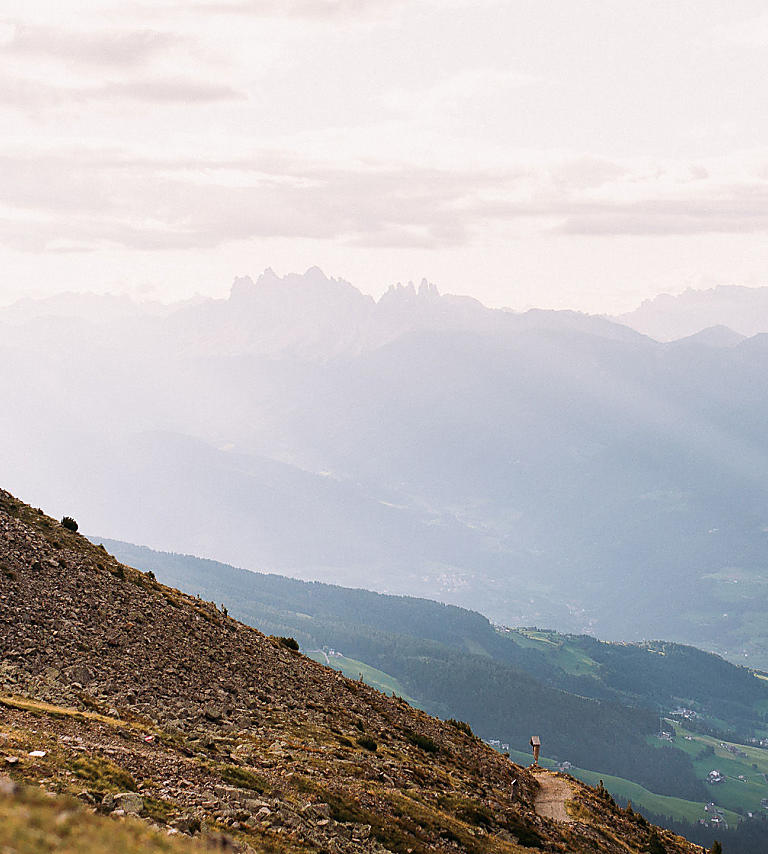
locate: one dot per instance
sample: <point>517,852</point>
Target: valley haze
<point>546,467</point>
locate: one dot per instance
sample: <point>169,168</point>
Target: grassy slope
<point>353,669</point>
<point>734,792</point>
<point>31,823</point>
<point>555,646</point>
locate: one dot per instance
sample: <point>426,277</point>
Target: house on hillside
<point>681,712</point>
<point>715,776</point>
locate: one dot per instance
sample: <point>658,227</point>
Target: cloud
<point>141,203</point>
<point>458,92</point>
<point>26,93</point>
<point>103,47</point>
<point>736,210</point>
<point>307,9</point>
<point>97,198</point>
<point>166,92</point>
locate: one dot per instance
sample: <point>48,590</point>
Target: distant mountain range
<point>546,468</point>
<point>666,317</point>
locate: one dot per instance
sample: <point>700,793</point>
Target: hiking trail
<point>554,792</point>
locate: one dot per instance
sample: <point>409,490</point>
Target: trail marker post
<point>535,743</point>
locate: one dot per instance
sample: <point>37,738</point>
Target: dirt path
<point>554,792</point>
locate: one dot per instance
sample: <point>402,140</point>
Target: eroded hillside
<point>141,700</point>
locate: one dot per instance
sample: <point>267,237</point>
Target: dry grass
<point>34,823</point>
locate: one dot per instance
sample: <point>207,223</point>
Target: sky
<point>572,154</point>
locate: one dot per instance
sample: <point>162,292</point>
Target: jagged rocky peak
<point>243,287</point>
<point>312,285</point>
<point>409,293</point>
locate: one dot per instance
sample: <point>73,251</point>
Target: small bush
<point>150,575</point>
<point>475,813</point>
<point>655,845</point>
<point>422,741</point>
<point>243,779</point>
<point>102,774</point>
<point>462,726</point>
<point>368,743</point>
<point>289,643</point>
<point>69,523</point>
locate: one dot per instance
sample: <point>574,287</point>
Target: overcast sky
<point>575,153</point>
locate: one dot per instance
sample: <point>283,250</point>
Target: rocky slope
<point>141,700</point>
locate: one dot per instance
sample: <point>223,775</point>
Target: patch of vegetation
<point>462,726</point>
<point>32,823</point>
<point>368,743</point>
<point>289,643</point>
<point>525,834</point>
<point>654,844</point>
<point>423,741</point>
<point>475,813</point>
<point>102,774</point>
<point>242,778</point>
<point>158,810</point>
<point>69,523</point>
<point>401,835</point>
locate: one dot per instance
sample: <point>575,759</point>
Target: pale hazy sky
<point>576,153</point>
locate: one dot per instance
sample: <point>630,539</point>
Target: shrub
<point>289,643</point>
<point>655,845</point>
<point>150,575</point>
<point>69,523</point>
<point>474,813</point>
<point>243,778</point>
<point>422,741</point>
<point>462,726</point>
<point>368,743</point>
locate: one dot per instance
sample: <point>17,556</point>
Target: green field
<point>642,799</point>
<point>559,651</point>
<point>735,792</point>
<point>354,669</point>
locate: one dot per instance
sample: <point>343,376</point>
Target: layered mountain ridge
<point>547,468</point>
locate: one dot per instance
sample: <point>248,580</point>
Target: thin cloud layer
<point>305,9</point>
<point>99,47</point>
<point>135,202</point>
<point>26,94</point>
<point>447,134</point>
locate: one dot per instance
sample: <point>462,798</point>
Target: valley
<point>509,682</point>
